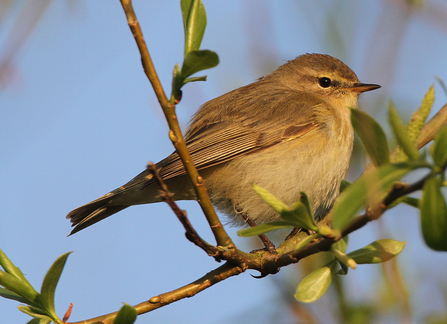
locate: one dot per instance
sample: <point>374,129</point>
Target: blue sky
<point>80,119</point>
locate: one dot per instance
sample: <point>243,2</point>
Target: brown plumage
<point>288,132</point>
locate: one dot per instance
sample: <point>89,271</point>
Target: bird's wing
<point>228,142</point>
<point>221,141</point>
<point>216,142</point>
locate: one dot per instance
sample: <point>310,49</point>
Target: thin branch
<point>223,272</point>
<point>191,233</point>
<point>175,133</point>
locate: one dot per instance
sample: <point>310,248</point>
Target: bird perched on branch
<point>289,131</point>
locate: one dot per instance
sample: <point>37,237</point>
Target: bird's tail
<point>92,213</point>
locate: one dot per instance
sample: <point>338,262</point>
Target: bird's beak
<point>363,87</point>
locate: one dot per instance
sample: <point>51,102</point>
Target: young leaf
<point>442,84</point>
<point>270,199</point>
<point>439,152</point>
<point>401,134</point>
<point>196,61</point>
<point>264,228</point>
<point>342,244</point>
<point>301,214</point>
<point>304,199</point>
<point>6,293</point>
<point>34,312</point>
<point>24,289</point>
<point>194,23</point>
<point>420,116</point>
<point>378,251</point>
<point>9,267</point>
<point>344,185</point>
<point>356,195</point>
<point>50,282</point>
<point>433,215</point>
<point>39,321</point>
<point>314,285</point>
<point>410,201</point>
<point>194,79</point>
<point>177,83</point>
<point>372,136</point>
<point>126,315</point>
<point>343,258</point>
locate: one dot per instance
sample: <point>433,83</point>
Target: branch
<point>175,134</point>
<point>223,272</point>
<point>191,233</point>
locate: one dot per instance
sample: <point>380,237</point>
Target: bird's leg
<point>267,243</point>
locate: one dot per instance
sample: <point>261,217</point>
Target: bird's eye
<point>324,82</point>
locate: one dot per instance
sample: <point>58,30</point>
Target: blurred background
<point>79,118</point>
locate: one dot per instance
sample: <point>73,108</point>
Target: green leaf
<point>304,199</point>
<point>196,61</point>
<point>264,228</point>
<point>442,84</point>
<point>39,321</point>
<point>126,315</point>
<point>24,289</point>
<point>342,244</point>
<point>343,258</point>
<point>10,268</point>
<point>410,201</point>
<point>34,312</point>
<point>194,23</point>
<point>50,282</point>
<point>433,215</point>
<point>372,136</point>
<point>177,83</point>
<point>420,116</point>
<point>378,251</point>
<point>301,214</point>
<point>314,285</point>
<point>355,197</point>
<point>202,78</point>
<point>270,199</point>
<point>401,134</point>
<point>344,185</point>
<point>439,151</point>
<point>6,293</point>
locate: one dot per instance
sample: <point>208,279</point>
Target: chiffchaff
<point>288,132</point>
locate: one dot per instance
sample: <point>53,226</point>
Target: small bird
<point>289,131</point>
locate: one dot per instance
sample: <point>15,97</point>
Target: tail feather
<point>92,213</point>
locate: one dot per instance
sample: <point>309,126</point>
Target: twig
<point>191,233</point>
<point>267,243</point>
<point>175,134</point>
<point>223,272</point>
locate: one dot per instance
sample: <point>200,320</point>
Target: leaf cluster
<point>14,285</point>
<point>195,59</point>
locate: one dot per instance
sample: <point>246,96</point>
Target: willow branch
<point>191,233</point>
<point>223,272</point>
<point>175,133</point>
